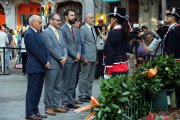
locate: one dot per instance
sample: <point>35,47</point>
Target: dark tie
<point>92,33</point>
<point>72,31</point>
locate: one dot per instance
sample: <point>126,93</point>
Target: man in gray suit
<point>88,70</point>
<point>73,43</point>
<point>56,46</point>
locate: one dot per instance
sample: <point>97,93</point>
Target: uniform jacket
<point>172,41</point>
<point>115,47</point>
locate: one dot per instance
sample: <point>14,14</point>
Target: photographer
<point>154,48</point>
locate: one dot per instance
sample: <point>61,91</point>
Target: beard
<point>71,21</point>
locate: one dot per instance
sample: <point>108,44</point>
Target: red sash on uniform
<point>120,67</point>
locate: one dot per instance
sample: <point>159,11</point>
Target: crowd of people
<point>67,55</point>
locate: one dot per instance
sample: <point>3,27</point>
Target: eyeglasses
<point>58,20</point>
<point>39,22</point>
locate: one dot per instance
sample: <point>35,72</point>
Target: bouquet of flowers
<point>153,116</point>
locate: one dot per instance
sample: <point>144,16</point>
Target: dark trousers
<point>24,60</point>
<point>33,94</point>
<point>99,65</point>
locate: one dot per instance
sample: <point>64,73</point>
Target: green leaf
<point>114,106</point>
<point>120,111</point>
<point>124,85</point>
<point>126,93</point>
<point>99,114</point>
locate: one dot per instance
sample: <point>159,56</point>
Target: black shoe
<point>73,106</point>
<point>89,97</point>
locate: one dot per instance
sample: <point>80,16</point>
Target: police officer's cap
<point>118,13</point>
<point>174,12</point>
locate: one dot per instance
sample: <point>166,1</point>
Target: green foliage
<point>115,96</point>
<point>118,92</point>
<point>168,71</point>
<point>167,77</point>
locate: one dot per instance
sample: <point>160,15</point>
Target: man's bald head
<point>35,21</point>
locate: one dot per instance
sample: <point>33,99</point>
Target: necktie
<point>57,35</point>
<point>92,33</point>
<point>72,31</point>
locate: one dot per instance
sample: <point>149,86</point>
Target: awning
<point>111,0</point>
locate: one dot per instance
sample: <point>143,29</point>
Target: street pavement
<point>12,99</point>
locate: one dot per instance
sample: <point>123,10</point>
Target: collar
<point>34,29</point>
<point>54,29</point>
<point>172,25</point>
<point>88,26</point>
<point>117,27</point>
<point>69,25</point>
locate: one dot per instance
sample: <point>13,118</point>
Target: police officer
<point>172,42</point>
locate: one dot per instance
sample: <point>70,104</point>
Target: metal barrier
<point>137,108</point>
<point>4,60</point>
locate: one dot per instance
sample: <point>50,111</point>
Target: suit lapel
<point>90,33</point>
<point>70,31</point>
<point>54,35</point>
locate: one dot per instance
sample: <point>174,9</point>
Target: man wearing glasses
<point>38,60</point>
<point>56,46</point>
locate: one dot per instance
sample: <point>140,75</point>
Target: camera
<point>162,30</point>
<point>96,29</point>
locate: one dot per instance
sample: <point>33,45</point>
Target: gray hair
<point>88,15</point>
<point>33,18</point>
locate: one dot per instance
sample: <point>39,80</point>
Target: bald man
<point>37,62</point>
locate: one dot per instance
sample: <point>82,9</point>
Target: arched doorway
<point>25,10</point>
<point>133,11</point>
<point>2,15</point>
<point>76,6</point>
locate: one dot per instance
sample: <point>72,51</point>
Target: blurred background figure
<point>101,38</point>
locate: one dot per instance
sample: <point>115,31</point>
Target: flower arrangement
<point>153,116</point>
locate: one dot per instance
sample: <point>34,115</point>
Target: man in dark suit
<point>88,70</point>
<point>37,62</point>
<point>73,43</point>
<point>56,46</point>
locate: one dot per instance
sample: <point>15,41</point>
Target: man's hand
<point>63,60</point>
<point>85,61</point>
<point>78,57</point>
<point>48,65</point>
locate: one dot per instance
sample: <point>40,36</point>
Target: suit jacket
<point>56,49</point>
<point>89,43</point>
<point>73,43</point>
<point>37,55</point>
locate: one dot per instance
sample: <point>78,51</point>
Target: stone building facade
<point>15,13</point>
